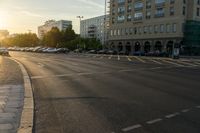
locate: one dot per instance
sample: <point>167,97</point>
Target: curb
<point>26,123</point>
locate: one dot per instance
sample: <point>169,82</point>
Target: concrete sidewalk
<point>11,95</point>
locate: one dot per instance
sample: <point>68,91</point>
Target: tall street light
<point>80,17</point>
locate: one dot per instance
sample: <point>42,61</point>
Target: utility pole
<point>80,17</point>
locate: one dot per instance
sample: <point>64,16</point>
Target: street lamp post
<point>80,17</point>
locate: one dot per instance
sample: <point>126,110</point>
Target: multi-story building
<point>94,28</point>
<point>154,25</point>
<point>61,25</point>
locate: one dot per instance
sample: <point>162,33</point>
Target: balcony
<point>138,18</point>
<point>161,4</point>
<point>159,15</point>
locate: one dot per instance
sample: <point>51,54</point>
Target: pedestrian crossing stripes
<point>140,59</point>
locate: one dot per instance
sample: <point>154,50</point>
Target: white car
<point>50,50</point>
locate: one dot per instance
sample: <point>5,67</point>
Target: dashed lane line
<point>141,60</point>
<point>172,115</point>
<point>131,128</point>
<point>185,110</point>
<point>154,121</point>
<point>166,61</point>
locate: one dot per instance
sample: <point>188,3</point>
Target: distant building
<point>3,34</point>
<point>61,25</point>
<point>155,25</point>
<point>94,28</point>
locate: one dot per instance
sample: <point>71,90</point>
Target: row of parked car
<point>137,53</point>
<point>39,49</point>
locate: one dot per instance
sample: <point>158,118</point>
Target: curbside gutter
<point>27,117</point>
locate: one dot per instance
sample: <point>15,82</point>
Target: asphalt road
<point>111,94</point>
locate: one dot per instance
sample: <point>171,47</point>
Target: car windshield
<point>99,66</point>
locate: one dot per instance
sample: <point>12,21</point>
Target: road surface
<point>113,94</point>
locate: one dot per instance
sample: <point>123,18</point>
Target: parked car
<point>92,52</point>
<point>62,50</point>
<point>103,51</point>
<point>4,51</point>
<point>138,53</point>
<point>111,52</point>
<point>50,50</point>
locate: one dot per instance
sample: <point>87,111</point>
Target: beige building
<point>154,25</point>
<point>61,25</point>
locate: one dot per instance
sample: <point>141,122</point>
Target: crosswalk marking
<point>198,63</point>
<point>186,63</point>
<point>141,60</point>
<point>118,57</point>
<point>129,59</point>
<point>110,57</point>
<point>167,61</point>
<point>156,62</point>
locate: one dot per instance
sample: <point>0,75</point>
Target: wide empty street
<point>85,93</point>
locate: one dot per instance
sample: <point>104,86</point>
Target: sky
<point>19,16</point>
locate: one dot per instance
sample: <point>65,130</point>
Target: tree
<point>22,40</point>
<point>52,38</point>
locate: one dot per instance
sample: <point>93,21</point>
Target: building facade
<point>61,25</point>
<point>95,28</point>
<point>154,25</point>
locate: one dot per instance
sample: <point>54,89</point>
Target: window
<point>171,11</point>
<point>160,12</point>
<point>120,18</point>
<point>172,1</point>
<point>184,10</point>
<point>198,12</point>
<point>148,14</point>
<point>168,28</point>
<point>138,5</point>
<point>156,29</point>
<point>129,18</point>
<point>174,27</point>
<point>161,28</point>
<point>138,16</point>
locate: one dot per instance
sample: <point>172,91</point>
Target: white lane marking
<point>141,60</point>
<point>185,110</point>
<point>156,62</point>
<point>118,57</point>
<point>172,115</point>
<point>166,61</point>
<point>198,107</point>
<point>131,128</point>
<point>154,121</point>
<point>110,57</point>
<point>186,63</point>
<point>154,68</point>
<point>198,63</point>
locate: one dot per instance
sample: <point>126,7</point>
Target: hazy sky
<point>19,16</point>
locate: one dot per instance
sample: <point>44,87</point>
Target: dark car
<point>102,51</point>
<point>138,53</point>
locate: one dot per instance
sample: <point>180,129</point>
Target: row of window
<point>162,28</point>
